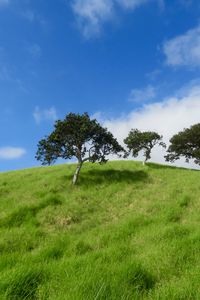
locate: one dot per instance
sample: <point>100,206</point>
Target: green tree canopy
<point>186,144</point>
<point>138,141</point>
<point>77,136</point>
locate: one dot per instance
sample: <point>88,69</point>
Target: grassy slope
<point>125,232</point>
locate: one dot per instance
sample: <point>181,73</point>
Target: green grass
<point>124,232</point>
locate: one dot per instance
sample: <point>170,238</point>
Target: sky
<point>128,63</point>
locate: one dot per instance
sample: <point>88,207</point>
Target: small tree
<point>186,144</point>
<point>142,141</point>
<point>77,136</point>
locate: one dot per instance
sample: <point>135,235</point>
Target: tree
<point>80,137</point>
<point>138,141</point>
<point>186,144</point>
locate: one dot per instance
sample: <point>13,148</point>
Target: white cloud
<point>40,115</point>
<point>9,153</point>
<point>92,14</point>
<point>184,50</point>
<point>167,118</point>
<point>142,95</point>
<point>4,2</point>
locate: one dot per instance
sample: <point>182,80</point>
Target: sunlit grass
<point>124,232</point>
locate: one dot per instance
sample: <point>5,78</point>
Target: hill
<point>125,232</point>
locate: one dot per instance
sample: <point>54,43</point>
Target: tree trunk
<point>76,174</point>
<point>144,161</point>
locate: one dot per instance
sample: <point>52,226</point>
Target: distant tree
<point>186,144</point>
<point>80,137</point>
<point>142,141</point>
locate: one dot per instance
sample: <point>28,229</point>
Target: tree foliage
<point>142,141</point>
<point>80,137</point>
<point>186,144</point>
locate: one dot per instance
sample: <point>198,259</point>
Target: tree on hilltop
<point>186,144</point>
<point>137,141</point>
<point>77,136</point>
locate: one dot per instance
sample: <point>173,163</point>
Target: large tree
<point>185,144</point>
<point>80,137</point>
<point>137,141</point>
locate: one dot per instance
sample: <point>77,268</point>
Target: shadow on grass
<point>168,167</point>
<point>111,176</point>
<point>162,167</point>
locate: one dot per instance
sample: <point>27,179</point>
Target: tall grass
<point>125,232</point>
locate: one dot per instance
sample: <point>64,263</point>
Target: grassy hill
<point>125,232</point>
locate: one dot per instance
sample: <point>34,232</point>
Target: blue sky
<point>129,63</point>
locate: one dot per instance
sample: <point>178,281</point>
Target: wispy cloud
<point>8,73</point>
<point>184,50</point>
<point>41,115</point>
<point>142,95</point>
<point>35,51</point>
<point>29,15</point>
<point>4,73</point>
<point>154,74</point>
<point>130,4</point>
<point>8,153</point>
<point>161,4</point>
<point>186,3</point>
<point>92,14</point>
<point>4,2</point>
<point>33,17</point>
